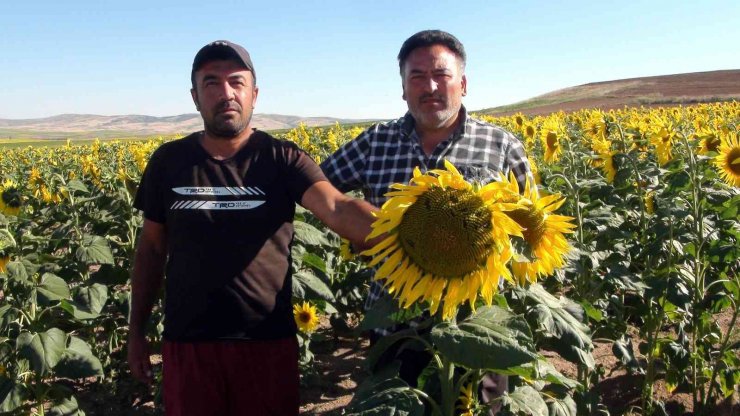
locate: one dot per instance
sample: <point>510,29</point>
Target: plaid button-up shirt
<point>387,153</point>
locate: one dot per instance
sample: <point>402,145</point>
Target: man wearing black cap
<point>218,207</point>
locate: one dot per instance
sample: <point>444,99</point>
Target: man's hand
<point>138,358</point>
<point>149,262</point>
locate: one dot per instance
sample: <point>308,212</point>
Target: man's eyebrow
<point>434,70</point>
<point>209,77</point>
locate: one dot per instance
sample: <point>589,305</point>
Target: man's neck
<point>221,148</point>
<point>430,138</point>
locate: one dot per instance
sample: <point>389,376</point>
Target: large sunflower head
<point>446,240</point>
<point>305,317</point>
<point>543,232</point>
<point>10,198</point>
<point>728,159</point>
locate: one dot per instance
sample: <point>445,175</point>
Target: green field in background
<point>16,143</point>
<point>10,138</point>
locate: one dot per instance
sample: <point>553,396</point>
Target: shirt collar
<point>407,125</point>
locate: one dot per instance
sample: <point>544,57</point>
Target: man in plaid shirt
<point>436,127</point>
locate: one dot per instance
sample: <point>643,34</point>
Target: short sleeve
<point>150,196</point>
<point>302,171</point>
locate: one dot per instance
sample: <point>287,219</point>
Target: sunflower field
<point>629,236</point>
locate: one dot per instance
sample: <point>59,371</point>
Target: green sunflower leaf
<point>314,261</point>
<point>306,283</point>
<point>94,250</point>
<point>492,338</point>
<point>88,302</point>
<point>78,361</point>
<point>12,395</point>
<point>43,350</point>
<point>384,393</point>
<point>561,321</point>
<point>6,240</point>
<point>526,400</point>
<point>52,288</point>
<point>560,402</point>
<point>16,270</point>
<point>76,185</point>
<point>66,406</point>
<point>308,234</point>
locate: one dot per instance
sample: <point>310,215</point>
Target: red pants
<point>256,377</point>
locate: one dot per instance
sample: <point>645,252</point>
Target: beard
<point>434,119</point>
<point>227,125</point>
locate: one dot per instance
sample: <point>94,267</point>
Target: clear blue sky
<point>338,58</point>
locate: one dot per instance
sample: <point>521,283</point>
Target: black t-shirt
<point>229,226</point>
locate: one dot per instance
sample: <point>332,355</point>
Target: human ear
<point>194,95</point>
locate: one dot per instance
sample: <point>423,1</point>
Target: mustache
<point>227,106</point>
<point>431,97</point>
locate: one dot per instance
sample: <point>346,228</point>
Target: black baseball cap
<point>222,50</point>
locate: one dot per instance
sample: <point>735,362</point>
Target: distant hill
<point>90,125</point>
<point>648,91</point>
<point>675,89</point>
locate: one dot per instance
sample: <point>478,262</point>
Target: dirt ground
<point>338,368</point>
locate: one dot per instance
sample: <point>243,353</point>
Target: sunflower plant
<point>67,235</point>
<point>10,198</point>
<point>307,320</point>
<point>324,283</point>
<point>653,193</point>
<point>448,246</point>
<point>657,241</point>
<point>694,276</point>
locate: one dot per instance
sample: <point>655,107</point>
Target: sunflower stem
<point>698,267</point>
<point>653,329</point>
<point>581,278</point>
<point>446,377</point>
<point>436,411</point>
<point>640,185</point>
<point>723,346</point>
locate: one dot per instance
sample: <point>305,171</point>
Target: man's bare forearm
<point>349,217</point>
<point>146,282</point>
<point>353,221</point>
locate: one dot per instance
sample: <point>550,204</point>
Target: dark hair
<point>427,38</point>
